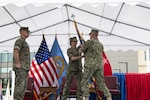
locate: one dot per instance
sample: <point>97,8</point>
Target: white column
<point>12,84</point>
<point>148,60</point>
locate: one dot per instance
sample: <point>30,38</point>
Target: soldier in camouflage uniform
<point>21,63</point>
<point>74,69</point>
<point>93,66</point>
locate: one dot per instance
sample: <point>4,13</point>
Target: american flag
<point>43,68</point>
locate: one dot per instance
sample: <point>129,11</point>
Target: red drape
<point>138,86</point>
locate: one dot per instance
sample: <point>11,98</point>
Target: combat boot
<point>109,98</point>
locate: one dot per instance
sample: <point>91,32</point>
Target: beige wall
<point>141,57</point>
<point>123,56</point>
<point>142,69</point>
<point>141,62</point>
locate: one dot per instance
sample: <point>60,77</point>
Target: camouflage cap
<point>24,28</point>
<point>94,30</point>
<point>73,39</point>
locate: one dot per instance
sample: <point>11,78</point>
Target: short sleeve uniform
<point>24,53</point>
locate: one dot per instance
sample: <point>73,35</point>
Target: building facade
<point>120,61</point>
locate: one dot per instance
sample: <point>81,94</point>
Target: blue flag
<point>60,61</point>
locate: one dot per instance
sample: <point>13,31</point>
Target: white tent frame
<point>36,30</point>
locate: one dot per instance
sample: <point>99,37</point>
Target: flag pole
<point>35,95</point>
<point>1,96</point>
<point>55,34</point>
<point>7,95</point>
<point>79,35</point>
<point>82,41</point>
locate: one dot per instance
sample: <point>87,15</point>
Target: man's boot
<point>109,98</point>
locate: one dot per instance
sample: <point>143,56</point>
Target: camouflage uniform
<point>93,66</point>
<point>74,70</point>
<point>21,73</point>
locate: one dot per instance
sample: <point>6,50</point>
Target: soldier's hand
<point>81,45</point>
<point>80,51</point>
<point>18,65</point>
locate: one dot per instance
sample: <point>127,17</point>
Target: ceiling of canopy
<point>123,27</point>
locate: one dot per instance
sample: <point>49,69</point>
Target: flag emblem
<point>60,64</point>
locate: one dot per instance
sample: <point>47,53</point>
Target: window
<point>145,54</point>
<point>4,57</point>
<point>4,69</point>
<point>32,54</point>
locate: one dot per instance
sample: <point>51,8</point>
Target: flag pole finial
<point>73,16</point>
<point>55,33</point>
